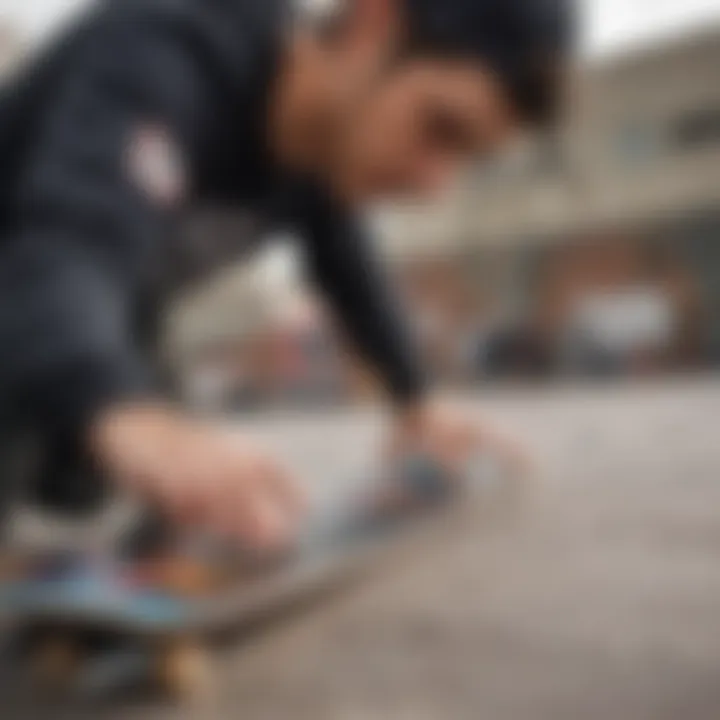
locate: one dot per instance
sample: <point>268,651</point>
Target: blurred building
<point>643,143</point>
<point>616,217</point>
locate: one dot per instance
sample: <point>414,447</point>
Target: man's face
<point>415,127</point>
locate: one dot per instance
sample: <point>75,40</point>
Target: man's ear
<point>373,24</point>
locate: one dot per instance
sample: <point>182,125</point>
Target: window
<point>638,141</point>
<point>697,129</point>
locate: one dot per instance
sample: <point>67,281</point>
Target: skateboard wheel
<point>55,663</point>
<point>184,671</point>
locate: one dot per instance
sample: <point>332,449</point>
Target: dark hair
<point>526,42</point>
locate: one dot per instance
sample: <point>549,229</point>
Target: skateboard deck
<point>155,618</point>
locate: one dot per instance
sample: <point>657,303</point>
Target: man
<point>150,107</point>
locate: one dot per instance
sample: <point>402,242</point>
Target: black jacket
<point>86,240</point>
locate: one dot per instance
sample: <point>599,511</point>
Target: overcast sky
<point>610,25</point>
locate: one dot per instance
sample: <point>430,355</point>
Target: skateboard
<point>93,626</point>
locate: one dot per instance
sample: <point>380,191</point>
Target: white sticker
<point>156,165</point>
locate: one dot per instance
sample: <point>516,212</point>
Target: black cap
<point>526,42</point>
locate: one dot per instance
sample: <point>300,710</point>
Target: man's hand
<point>198,474</point>
<point>444,432</point>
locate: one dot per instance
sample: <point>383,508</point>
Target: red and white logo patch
<point>156,165</point>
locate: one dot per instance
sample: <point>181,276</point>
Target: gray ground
<point>595,596</point>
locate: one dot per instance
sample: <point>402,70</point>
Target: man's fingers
<point>453,440</point>
<point>257,522</point>
<point>248,507</point>
<point>287,493</point>
<point>179,498</point>
<point>233,499</point>
<point>508,450</point>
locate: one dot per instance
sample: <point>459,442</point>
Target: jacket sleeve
<point>345,267</point>
<point>71,272</point>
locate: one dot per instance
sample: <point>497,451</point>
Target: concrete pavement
<point>597,597</point>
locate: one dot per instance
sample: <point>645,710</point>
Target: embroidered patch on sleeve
<point>156,165</point>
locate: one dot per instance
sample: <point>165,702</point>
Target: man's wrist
<point>411,411</point>
<point>407,393</point>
